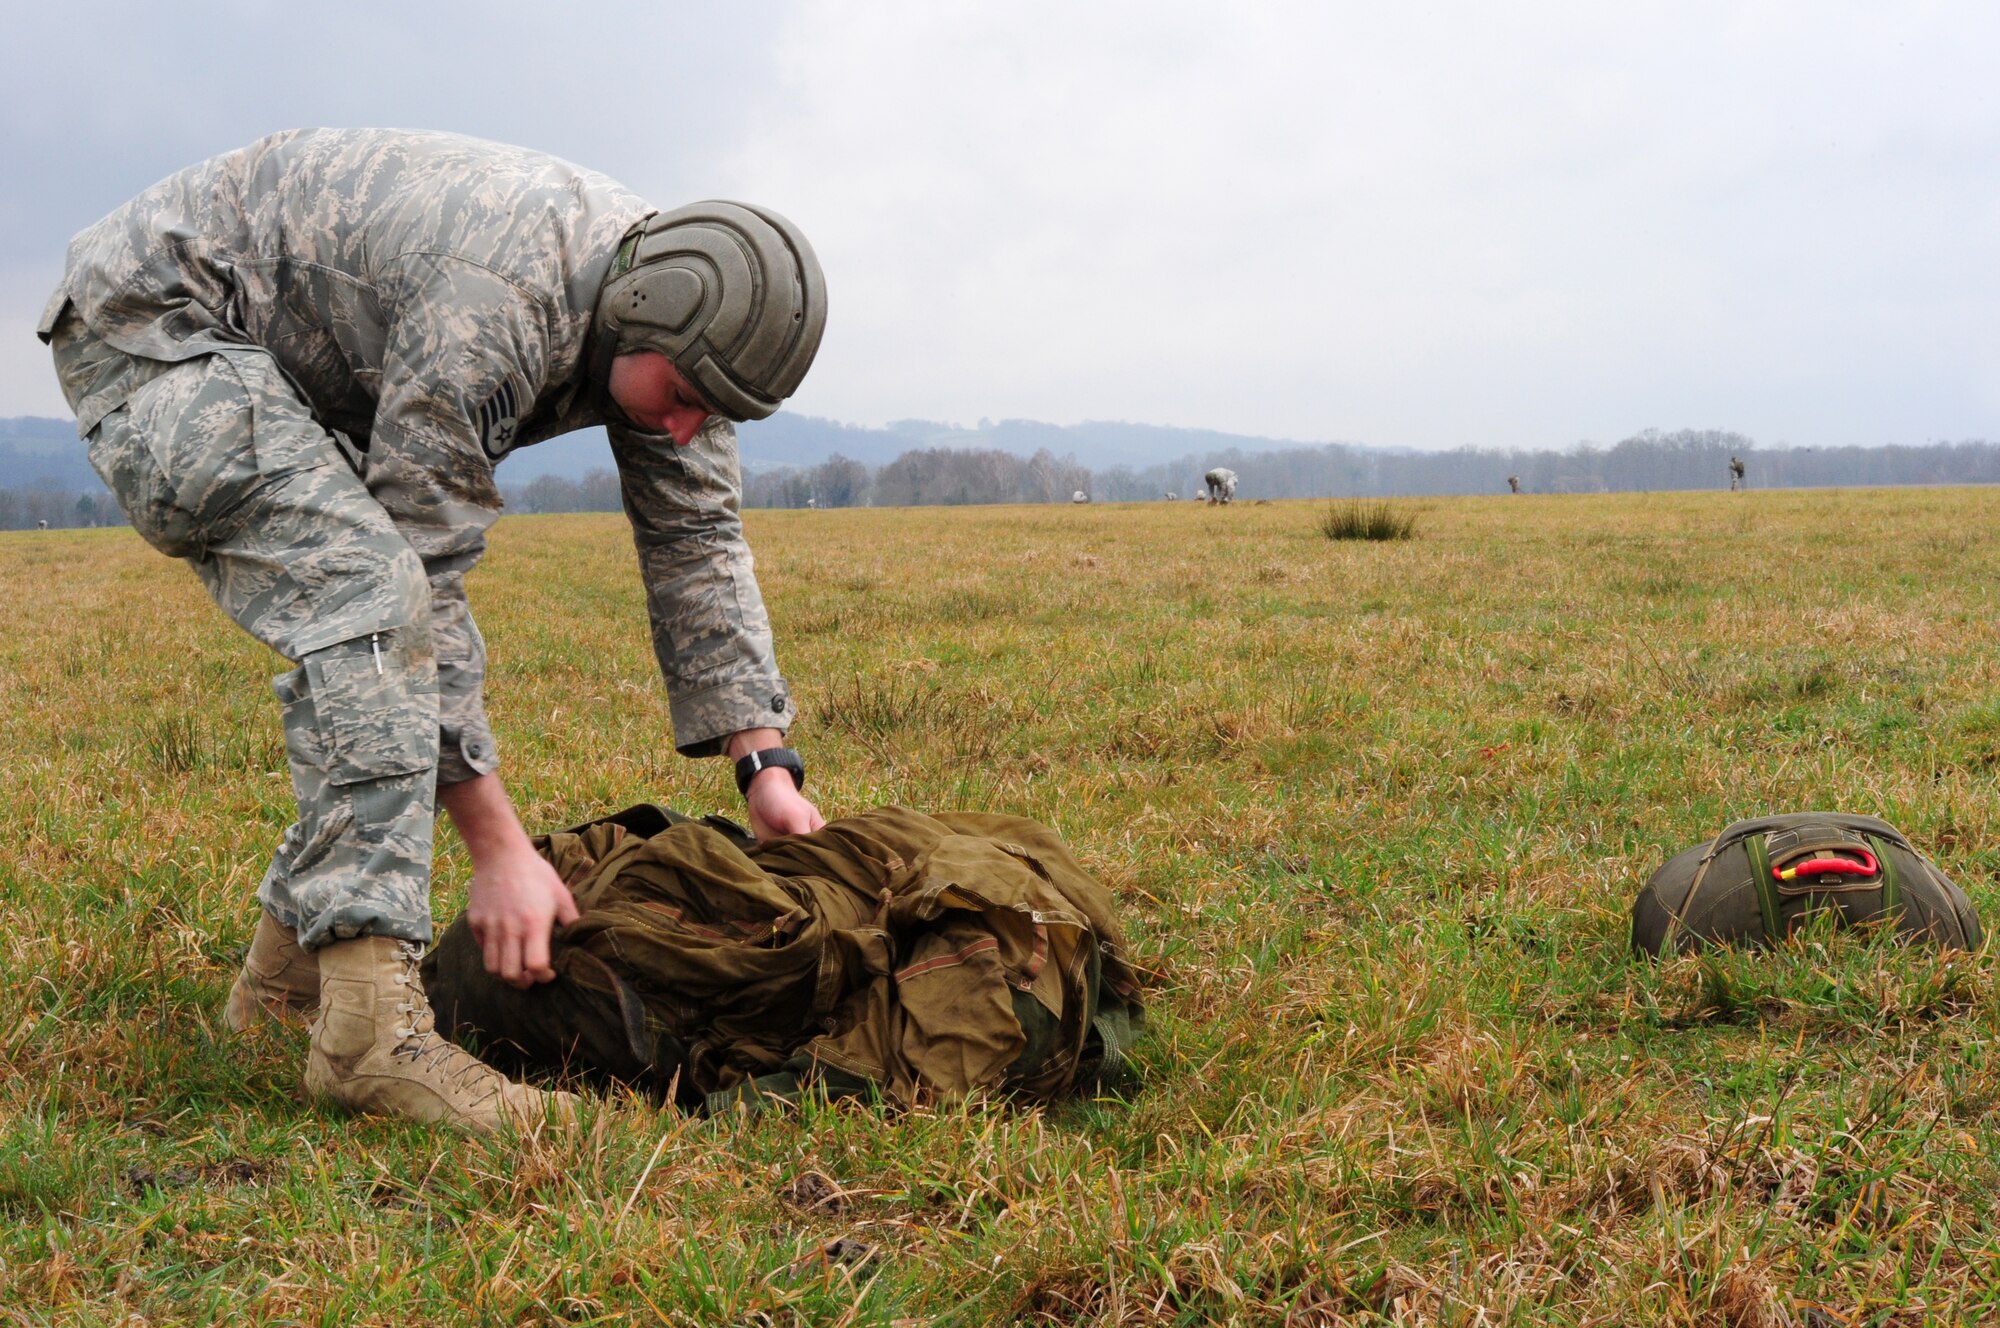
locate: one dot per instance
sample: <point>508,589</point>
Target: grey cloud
<point>1505,225</point>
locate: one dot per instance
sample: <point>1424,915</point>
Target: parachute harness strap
<point>1674,918</point>
<point>1892,887</point>
<point>1767,889</point>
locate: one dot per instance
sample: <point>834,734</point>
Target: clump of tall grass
<point>1355,518</point>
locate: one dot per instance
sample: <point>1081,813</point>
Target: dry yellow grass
<point>1375,811</point>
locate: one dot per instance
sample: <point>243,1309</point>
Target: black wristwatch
<point>784,758</point>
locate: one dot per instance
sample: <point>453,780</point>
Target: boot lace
<point>418,1042</point>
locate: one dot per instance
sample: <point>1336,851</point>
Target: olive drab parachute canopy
<point>918,958</point>
<point>732,294</point>
<point>1760,879</point>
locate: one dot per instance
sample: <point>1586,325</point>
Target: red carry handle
<point>1829,866</point>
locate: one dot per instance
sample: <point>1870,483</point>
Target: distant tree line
<point>1649,461</point>
<point>597,491</point>
<point>50,503</point>
<point>930,476</point>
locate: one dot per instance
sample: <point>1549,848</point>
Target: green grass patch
<point>1374,817</point>
<point>1363,519</point>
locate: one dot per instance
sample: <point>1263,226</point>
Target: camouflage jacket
<point>431,296</point>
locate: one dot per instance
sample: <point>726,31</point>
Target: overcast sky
<point>1406,225</point>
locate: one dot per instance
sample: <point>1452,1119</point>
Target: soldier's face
<point>655,397</point>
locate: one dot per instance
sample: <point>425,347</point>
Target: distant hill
<point>789,460</point>
<point>32,447</point>
<point>786,440</point>
<point>805,440</point>
<point>38,452</point>
<point>39,433</point>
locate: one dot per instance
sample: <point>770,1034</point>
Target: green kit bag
<point>1760,879</point>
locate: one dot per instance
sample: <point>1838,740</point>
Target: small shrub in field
<point>1352,518</point>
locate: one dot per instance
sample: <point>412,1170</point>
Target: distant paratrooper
<point>1513,484</point>
<point>1735,473</point>
<point>41,525</point>
<point>1221,484</point>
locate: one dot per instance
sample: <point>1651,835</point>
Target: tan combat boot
<point>279,980</point>
<point>375,1048</point>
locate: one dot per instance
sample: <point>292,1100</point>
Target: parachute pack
<point>891,954</point>
<point>1760,879</point>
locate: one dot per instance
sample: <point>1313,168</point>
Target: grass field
<point>1375,812</point>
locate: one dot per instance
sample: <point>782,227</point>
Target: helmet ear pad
<point>670,302</point>
<point>733,295</point>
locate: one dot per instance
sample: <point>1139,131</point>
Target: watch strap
<point>784,758</point>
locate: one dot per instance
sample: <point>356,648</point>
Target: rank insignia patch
<point>499,420</point>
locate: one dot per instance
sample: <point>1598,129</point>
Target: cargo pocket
<point>706,623</point>
<point>323,822</point>
<point>118,453</point>
<point>185,434</point>
<point>303,747</point>
<point>375,709</point>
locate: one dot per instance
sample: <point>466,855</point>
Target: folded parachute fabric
<point>892,954</point>
<point>1760,879</point>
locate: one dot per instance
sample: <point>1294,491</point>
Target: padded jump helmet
<point>731,293</point>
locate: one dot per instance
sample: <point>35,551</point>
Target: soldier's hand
<point>516,900</point>
<point>778,808</point>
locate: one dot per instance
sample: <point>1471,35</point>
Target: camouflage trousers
<point>216,461</point>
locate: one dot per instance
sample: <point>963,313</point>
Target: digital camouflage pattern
<point>361,736</point>
<point>430,297</point>
<point>217,462</point>
<point>296,365</point>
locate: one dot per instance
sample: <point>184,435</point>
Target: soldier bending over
<point>296,365</point>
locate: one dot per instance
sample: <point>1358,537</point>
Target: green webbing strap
<point>623,263</point>
<point>1892,887</point>
<point>789,1084</point>
<point>1767,889</point>
<point>755,1094</point>
<point>1114,1032</point>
